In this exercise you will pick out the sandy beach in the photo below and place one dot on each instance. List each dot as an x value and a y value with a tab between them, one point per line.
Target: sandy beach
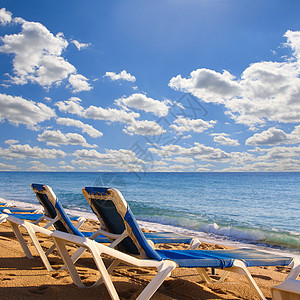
22	278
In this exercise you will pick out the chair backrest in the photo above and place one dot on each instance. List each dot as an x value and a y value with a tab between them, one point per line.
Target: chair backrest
113	211
53	209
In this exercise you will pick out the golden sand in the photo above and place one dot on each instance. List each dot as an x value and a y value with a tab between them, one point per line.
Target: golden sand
23	278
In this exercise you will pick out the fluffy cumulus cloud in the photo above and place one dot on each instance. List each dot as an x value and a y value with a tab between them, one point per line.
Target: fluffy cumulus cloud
6	167
119	159
208	85
142	102
223	139
38	55
266	91
73	106
5	16
187	124
79	83
79	45
293	41
198	151
109	114
18	110
56	138
23	151
86	128
274	136
280	153
123	75
144	128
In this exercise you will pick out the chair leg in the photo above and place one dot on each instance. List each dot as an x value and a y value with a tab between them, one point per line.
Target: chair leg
21	240
104	273
110	269
75	256
207	279
240	268
38	248
61	246
163	271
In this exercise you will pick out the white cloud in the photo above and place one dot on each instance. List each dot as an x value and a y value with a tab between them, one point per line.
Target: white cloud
144	128
274	136
5	167
123	75
79	83
266	91
223	140
110	114
208	85
79	45
56	138
142	102
293	41
285	165
38	166
11	142
86	128
184	160
118	159
280	153
71	106
196	125
5	16
23	151
37	55
203	170
198	151
20	111
140	127
67	168
173	168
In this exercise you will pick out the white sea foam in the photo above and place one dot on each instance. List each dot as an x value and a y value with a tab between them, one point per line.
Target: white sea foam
209	233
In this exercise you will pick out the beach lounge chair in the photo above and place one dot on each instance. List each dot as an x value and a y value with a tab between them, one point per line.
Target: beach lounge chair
109	218
289	289
49	200
60	221
136	251
12	209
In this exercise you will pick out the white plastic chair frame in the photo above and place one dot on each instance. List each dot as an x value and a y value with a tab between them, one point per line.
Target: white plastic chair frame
164	267
32	229
289	289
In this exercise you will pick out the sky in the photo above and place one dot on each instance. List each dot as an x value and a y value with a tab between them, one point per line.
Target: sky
150	86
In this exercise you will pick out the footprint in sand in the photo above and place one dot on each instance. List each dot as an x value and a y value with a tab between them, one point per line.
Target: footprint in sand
282	269
138	271
39	290
262	277
128	294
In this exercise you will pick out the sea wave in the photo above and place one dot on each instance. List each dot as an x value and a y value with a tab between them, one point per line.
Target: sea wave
211	232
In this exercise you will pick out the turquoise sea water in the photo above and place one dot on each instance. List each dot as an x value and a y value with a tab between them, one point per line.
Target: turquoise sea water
253	208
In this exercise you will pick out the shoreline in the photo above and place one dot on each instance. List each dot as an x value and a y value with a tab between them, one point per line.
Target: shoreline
21	277
153	226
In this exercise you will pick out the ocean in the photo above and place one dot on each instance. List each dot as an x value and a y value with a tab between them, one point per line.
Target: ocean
260	210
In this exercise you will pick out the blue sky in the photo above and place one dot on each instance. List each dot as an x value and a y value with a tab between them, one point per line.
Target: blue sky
144	86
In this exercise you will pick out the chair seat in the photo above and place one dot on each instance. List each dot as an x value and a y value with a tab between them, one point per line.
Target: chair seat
155	237
223	258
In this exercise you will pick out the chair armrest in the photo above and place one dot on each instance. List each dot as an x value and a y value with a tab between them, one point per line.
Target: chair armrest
80	220
194	244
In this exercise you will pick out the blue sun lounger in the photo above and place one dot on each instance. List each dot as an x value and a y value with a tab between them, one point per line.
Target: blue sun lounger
135	250
50	202
17	209
61	222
